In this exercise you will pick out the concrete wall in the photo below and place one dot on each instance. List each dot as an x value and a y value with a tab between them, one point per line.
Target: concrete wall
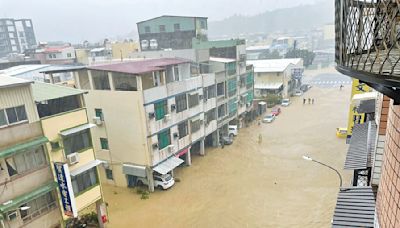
123	49
19	133
51	218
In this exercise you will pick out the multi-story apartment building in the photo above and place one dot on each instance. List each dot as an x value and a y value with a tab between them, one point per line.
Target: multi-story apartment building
16	35
277	76
28	191
370	54
171	32
49	141
56	55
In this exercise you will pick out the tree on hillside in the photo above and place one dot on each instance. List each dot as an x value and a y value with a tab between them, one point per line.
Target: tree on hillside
307	56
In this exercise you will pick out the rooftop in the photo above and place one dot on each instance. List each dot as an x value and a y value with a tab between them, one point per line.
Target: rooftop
169	16
273	65
140	66
46	91
222	60
7	81
21	69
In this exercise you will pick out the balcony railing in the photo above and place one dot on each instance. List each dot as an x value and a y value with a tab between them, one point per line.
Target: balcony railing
368	42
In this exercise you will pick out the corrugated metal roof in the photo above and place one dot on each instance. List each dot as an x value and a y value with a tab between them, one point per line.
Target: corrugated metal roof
21	69
46	91
272	85
139	67
7	81
355	207
222	60
22	146
361	145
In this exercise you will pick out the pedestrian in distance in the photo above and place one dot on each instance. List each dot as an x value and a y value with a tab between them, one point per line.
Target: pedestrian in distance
304	101
309	100
259	138
341	86
312	101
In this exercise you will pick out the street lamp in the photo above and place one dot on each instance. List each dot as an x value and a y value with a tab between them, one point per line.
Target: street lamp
330	167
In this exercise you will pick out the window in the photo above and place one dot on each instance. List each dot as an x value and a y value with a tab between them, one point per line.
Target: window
147	29
60	105
3	119
161	109
181	102
38	206
99	113
55	145
84	181
21	34
211	91
203	24
24	162
12	115
210	115
221	111
69	55
77	142
104	144
183	129
162	28
164	139
231	68
109	174
193	100
195	126
100	80
177	27
220	89
176	72
232	85
124	82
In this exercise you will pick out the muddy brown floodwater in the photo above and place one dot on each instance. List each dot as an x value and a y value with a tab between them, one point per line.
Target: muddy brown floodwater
251	184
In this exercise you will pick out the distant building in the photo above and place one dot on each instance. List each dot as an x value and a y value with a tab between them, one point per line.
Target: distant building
277	76
121	50
56	55
16	36
171	32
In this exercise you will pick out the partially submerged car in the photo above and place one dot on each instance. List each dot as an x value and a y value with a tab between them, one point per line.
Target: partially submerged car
268	118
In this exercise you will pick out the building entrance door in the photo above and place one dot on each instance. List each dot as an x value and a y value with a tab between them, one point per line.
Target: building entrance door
131	180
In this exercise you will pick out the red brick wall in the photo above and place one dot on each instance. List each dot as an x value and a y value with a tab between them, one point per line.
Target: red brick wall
388	201
384	113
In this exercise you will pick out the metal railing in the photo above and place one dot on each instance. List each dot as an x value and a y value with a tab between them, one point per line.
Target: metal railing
368	39
45	209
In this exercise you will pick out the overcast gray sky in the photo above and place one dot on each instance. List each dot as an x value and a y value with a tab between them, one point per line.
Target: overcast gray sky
93	20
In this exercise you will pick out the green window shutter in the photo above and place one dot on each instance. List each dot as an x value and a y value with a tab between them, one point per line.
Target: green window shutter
159	108
250	78
164	139
104	143
250	97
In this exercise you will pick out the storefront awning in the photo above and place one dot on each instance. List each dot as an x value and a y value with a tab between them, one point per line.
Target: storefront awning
77	129
362	143
16	202
85	167
168	165
22	147
270	86
134	170
355	207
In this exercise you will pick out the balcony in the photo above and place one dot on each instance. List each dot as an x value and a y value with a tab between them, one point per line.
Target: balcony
367	43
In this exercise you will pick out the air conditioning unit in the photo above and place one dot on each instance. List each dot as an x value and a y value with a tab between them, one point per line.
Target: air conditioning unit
167	117
97	120
151	115
155	146
73	158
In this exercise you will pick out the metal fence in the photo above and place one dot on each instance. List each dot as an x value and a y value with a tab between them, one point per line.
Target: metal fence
368	36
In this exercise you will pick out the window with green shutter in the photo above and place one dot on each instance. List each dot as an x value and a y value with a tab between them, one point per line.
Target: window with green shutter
99	113
231	68
164	139
233	105
250	97
160	109
104	143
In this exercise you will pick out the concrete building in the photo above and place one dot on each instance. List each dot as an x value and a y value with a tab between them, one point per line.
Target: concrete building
16	36
121	50
172	112
277	76
56	55
48	125
171	32
375	205
29	196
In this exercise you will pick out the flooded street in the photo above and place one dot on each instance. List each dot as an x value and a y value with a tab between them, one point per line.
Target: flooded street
252	184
